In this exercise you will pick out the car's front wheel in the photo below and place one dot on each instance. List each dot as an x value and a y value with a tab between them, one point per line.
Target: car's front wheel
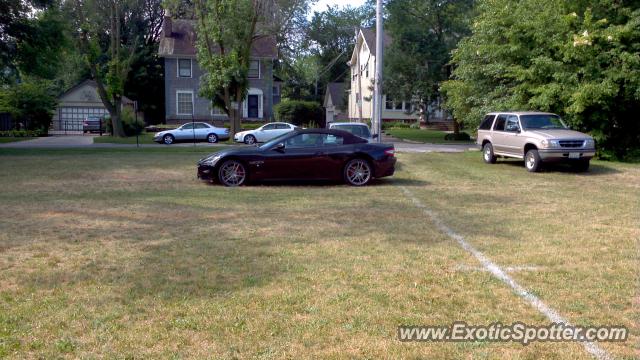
232	173
487	153
249	139
357	172
532	161
212	138
168	139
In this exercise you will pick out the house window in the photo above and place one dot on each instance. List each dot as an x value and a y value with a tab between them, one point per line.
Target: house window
276	90
184	102
254	69
388	104
184	68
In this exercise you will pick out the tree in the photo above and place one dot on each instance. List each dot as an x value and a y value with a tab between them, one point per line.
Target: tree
109	43
30	103
577	59
424	32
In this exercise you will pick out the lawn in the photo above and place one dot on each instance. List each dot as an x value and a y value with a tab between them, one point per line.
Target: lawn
423	136
116	253
5	140
144	138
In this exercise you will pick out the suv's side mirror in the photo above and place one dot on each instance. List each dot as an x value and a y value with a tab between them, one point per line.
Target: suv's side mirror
375	136
279	147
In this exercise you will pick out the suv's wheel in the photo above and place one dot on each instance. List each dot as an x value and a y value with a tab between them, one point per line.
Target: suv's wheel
357	172
168	139
212	138
532	160
232	173
487	154
249	139
581	166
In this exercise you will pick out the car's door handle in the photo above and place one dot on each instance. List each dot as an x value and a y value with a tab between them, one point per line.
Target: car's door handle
320	153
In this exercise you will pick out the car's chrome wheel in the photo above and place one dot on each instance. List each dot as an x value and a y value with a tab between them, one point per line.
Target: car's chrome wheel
168	139
532	160
357	172
487	154
232	173
249	139
212	138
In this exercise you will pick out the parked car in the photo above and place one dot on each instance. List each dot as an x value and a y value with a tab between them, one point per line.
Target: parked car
93	123
357	129
317	154
536	137
199	131
264	133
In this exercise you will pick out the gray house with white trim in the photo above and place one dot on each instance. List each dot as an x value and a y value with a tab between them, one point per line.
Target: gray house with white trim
182	78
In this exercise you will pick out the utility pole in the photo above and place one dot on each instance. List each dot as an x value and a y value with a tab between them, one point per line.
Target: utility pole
379	67
359	93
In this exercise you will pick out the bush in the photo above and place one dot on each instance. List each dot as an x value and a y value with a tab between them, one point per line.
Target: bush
31	103
463	136
395	125
300	113
129	124
22	133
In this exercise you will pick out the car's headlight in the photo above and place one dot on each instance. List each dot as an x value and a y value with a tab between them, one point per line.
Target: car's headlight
210	160
589	143
550	143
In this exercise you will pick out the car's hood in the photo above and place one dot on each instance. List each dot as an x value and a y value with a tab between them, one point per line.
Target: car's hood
559	134
236	150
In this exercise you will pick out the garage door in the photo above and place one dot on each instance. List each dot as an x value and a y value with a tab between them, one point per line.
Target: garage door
71	117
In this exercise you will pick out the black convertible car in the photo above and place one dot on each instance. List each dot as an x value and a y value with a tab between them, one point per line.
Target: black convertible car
309	154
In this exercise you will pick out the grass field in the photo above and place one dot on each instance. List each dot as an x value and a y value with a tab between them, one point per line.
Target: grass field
423	136
5	140
116	253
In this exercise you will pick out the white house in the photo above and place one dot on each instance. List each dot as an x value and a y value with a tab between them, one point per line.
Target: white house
334	102
363	64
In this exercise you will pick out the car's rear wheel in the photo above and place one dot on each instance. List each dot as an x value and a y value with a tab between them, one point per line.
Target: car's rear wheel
532	161
249	139
487	154
212	138
168	139
581	166
232	173
357	172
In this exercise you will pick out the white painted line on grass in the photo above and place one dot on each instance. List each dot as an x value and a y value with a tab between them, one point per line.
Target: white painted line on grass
499	273
508	269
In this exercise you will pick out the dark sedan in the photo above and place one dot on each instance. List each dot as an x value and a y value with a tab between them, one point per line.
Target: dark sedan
305	154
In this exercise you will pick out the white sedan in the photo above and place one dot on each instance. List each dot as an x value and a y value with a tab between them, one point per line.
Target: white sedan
198	131
264	133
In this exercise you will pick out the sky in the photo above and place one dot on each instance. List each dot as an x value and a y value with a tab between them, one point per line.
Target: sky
321	5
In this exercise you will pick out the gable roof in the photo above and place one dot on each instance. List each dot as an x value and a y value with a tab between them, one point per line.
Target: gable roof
178	38
368	36
91	83
335	92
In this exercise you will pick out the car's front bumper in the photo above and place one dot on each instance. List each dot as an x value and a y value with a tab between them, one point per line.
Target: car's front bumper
206	172
566	154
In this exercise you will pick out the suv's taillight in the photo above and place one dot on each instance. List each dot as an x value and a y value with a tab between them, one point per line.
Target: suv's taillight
390	152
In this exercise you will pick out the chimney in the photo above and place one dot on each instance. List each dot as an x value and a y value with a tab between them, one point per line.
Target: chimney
167	26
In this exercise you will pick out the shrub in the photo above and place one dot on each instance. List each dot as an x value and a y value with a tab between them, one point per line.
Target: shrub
22	133
129	124
395	125
30	103
463	136
300	112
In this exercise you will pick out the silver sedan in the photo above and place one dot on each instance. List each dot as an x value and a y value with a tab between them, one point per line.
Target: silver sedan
198	131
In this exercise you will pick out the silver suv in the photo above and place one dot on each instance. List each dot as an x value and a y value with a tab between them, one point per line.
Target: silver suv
536	137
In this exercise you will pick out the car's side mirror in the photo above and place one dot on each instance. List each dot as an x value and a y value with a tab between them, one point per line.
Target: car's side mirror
375	136
279	147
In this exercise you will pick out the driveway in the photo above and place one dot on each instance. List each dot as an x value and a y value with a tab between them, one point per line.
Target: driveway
52	142
412	147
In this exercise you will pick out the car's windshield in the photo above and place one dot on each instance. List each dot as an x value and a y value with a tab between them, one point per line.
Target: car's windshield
541	121
275	140
357	130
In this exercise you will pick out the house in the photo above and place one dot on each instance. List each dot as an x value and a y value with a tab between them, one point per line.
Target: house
182	77
363	65
333	104
75	104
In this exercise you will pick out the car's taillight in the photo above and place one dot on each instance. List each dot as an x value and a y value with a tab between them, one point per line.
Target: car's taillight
390	152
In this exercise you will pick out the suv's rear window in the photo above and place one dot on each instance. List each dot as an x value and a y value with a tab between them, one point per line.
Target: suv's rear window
486	122
499	126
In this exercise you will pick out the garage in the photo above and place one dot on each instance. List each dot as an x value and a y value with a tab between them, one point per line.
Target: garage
75	105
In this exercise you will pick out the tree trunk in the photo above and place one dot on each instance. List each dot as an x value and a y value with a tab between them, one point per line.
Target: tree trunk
456	127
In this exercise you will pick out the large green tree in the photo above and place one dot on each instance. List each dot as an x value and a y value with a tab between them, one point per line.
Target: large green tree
576	58
424	32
